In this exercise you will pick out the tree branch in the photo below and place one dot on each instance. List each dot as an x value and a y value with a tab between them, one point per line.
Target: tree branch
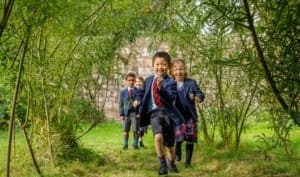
6	14
263	62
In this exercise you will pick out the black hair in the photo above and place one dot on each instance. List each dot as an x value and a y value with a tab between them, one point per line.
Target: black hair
162	54
140	78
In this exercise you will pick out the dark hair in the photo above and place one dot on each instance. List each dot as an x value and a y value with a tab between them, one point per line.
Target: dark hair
130	74
162	54
140	78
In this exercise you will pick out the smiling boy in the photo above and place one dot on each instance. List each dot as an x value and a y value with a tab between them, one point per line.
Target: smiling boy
157	98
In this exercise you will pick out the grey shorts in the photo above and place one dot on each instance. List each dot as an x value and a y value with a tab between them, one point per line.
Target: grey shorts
160	122
131	121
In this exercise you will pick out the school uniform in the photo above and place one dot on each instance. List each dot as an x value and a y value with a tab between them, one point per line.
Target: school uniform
127	110
186	130
160	117
186	104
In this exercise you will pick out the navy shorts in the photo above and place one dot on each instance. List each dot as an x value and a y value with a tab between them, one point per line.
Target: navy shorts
131	121
161	124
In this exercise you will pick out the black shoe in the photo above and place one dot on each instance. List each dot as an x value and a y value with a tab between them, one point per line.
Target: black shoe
173	169
163	169
135	147
142	144
125	147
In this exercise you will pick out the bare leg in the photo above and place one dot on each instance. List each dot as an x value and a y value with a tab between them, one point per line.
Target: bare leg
171	153
171	158
158	140
158	143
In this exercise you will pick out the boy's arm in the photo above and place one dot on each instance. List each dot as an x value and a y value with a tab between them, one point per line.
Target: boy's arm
121	105
168	91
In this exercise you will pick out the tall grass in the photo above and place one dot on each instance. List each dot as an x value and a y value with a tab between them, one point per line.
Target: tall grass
101	154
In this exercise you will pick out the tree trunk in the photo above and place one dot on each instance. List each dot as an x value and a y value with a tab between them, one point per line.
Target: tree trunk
48	128
15	97
204	125
263	62
30	148
6	13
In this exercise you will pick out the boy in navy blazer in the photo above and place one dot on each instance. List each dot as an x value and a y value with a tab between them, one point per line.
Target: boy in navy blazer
128	110
157	98
188	92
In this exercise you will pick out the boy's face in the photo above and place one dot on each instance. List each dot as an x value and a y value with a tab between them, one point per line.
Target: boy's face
160	66
178	71
138	83
130	81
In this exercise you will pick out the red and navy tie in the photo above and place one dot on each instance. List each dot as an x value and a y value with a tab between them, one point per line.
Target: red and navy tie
156	95
130	92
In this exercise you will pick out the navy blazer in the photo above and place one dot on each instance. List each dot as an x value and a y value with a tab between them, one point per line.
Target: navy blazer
125	102
167	92
190	86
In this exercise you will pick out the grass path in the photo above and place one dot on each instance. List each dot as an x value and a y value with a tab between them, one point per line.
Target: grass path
106	140
101	155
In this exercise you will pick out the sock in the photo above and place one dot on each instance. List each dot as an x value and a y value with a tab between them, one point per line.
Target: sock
126	139
178	151
135	140
162	160
189	153
171	162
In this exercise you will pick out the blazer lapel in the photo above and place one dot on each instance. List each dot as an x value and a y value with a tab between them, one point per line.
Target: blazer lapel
185	91
150	85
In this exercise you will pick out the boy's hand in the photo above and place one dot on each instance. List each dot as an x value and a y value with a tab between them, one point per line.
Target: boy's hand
122	117
138	116
159	80
135	103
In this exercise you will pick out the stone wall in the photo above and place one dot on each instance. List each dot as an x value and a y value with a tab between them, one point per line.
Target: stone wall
139	59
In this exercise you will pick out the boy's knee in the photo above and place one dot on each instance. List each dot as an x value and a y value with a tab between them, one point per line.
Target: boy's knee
158	137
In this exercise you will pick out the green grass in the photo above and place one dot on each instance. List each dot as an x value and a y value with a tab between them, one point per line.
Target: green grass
101	154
